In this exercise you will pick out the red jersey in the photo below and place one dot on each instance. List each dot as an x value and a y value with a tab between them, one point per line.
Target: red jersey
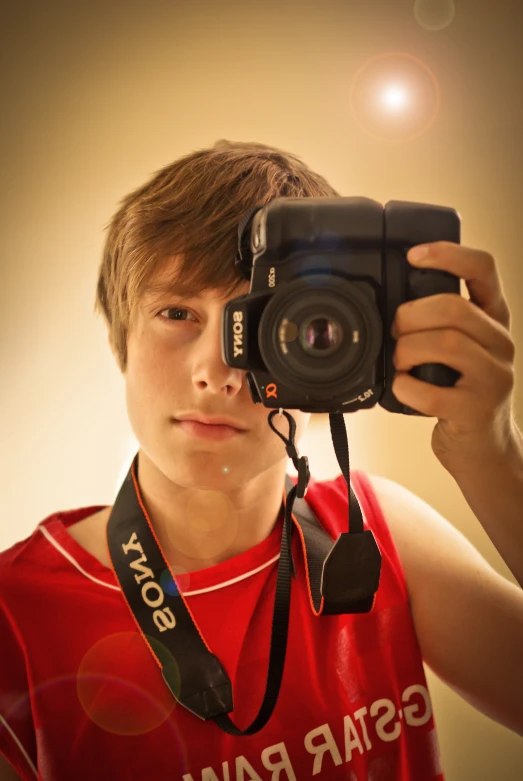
82	698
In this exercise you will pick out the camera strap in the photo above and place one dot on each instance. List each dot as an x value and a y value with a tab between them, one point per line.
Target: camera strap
342	577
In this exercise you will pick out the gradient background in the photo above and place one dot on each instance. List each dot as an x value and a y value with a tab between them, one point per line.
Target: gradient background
97	96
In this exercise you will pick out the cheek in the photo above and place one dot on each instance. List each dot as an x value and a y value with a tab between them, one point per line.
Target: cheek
151	373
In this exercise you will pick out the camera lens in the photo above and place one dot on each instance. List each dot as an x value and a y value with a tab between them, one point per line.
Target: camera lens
321	335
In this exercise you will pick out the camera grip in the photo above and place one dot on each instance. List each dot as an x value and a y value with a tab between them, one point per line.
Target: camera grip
427	282
436	373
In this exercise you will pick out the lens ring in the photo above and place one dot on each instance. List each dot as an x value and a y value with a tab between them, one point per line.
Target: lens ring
339	297
301	366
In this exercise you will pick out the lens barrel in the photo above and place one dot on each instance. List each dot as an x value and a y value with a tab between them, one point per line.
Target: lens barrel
319	333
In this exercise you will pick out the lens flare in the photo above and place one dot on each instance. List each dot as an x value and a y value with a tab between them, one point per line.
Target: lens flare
289	331
394	97
172	586
211	524
434	14
120	686
309	266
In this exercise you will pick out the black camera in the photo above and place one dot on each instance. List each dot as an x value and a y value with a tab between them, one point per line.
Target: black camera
327	275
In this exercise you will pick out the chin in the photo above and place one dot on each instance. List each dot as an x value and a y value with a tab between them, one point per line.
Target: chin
208	473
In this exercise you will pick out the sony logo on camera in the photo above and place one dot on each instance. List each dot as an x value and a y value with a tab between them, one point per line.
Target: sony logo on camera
237	332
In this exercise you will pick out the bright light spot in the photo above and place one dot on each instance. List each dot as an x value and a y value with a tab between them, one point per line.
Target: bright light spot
394	97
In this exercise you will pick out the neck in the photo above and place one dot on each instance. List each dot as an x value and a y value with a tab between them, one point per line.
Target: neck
200	527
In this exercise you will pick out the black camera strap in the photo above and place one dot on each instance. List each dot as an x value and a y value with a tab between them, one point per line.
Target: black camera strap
342	578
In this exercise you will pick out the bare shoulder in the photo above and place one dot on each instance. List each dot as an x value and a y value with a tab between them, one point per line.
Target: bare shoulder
433	552
465	613
419	531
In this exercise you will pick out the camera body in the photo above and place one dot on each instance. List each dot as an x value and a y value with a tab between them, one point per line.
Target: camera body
326	278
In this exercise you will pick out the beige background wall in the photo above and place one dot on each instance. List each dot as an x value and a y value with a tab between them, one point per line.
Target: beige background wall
96	96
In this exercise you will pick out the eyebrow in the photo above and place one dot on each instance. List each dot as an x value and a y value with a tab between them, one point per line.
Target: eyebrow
174	288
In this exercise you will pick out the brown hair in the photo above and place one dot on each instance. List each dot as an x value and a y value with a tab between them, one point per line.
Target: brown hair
191	208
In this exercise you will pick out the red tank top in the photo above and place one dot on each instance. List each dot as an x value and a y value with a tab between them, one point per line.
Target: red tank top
81	697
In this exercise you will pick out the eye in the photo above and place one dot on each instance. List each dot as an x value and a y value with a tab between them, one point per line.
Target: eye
179	313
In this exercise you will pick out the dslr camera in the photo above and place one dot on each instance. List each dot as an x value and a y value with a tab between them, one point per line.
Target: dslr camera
326	277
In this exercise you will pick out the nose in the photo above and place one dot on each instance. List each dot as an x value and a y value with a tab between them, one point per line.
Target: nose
210	373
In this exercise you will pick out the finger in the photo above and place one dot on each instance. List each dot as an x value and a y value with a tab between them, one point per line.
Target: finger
479	369
477	268
470	410
450	310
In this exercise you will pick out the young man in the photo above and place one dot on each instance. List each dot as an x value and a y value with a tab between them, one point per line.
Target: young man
81	695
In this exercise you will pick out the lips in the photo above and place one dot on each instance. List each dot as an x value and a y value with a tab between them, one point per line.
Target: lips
209	431
209	420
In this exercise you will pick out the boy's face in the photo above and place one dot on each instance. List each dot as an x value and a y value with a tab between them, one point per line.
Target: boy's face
175	368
